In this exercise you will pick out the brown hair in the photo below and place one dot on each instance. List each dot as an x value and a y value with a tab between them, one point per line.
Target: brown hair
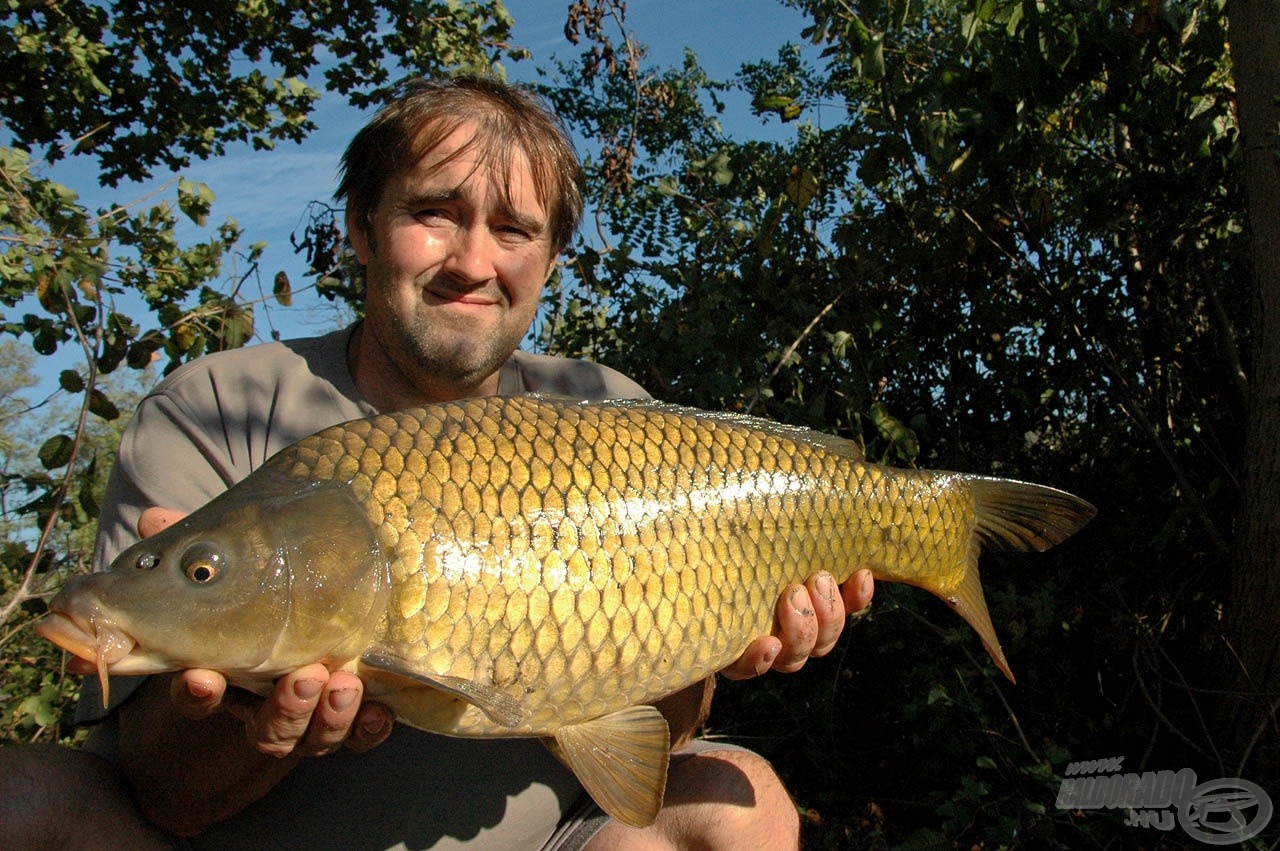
425	112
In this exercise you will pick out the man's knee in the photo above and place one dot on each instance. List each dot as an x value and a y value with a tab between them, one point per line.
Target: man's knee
56	797
736	797
753	801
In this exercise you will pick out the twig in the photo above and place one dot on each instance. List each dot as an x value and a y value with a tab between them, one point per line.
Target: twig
795	344
1126	399
90	352
1268	718
1154	706
1013	718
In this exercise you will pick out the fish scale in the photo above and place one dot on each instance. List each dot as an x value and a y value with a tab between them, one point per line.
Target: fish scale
528	566
611	589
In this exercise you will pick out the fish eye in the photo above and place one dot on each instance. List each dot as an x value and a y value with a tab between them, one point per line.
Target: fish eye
202	564
146	561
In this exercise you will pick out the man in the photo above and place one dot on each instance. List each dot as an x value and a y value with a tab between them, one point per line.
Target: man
459	198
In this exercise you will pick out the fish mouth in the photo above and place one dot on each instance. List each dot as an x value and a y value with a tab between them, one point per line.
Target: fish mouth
98	647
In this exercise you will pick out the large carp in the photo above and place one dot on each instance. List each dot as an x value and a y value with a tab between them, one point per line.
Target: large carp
536	567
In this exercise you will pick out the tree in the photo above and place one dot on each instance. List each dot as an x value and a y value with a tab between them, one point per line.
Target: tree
139	86
143	87
1003	238
1255	580
37	699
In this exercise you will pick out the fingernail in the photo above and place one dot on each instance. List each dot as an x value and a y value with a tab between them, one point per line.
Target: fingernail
307	689
342	699
865	585
200	690
795	590
767	661
826	588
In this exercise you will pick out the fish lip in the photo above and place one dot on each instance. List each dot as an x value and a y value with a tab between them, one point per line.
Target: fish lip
99	647
69	634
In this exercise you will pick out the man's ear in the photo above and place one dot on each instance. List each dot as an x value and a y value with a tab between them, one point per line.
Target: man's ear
357	235
551	267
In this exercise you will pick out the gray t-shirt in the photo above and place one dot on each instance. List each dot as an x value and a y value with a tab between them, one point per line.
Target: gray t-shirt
206	427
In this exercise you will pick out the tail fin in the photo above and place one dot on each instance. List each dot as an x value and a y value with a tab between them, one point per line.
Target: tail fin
1018	516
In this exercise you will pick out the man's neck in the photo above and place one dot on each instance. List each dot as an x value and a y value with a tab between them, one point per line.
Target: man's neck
384	386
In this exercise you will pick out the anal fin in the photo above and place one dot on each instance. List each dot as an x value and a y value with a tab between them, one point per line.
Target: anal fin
621	760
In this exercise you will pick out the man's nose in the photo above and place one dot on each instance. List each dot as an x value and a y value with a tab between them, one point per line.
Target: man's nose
470	257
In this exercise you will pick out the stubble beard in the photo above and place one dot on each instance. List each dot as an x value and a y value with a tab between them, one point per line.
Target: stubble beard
446	357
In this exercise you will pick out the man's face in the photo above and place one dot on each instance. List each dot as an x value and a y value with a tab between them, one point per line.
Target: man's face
454	273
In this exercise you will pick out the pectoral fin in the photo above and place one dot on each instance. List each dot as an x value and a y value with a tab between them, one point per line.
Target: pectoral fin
621	760
500	707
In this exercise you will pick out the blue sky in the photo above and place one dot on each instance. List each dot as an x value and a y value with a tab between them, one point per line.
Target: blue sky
267	192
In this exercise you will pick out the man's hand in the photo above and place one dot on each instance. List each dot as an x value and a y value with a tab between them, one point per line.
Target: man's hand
310	711
809	619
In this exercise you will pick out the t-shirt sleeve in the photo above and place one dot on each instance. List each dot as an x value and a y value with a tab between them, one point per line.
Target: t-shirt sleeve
163	461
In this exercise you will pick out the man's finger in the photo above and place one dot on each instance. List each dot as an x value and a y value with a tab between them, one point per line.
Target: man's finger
828	608
857	592
755	660
372	726
154	519
197	693
334	714
797	629
283	718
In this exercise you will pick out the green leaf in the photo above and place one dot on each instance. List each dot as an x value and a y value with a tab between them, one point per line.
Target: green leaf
195	200
873	59
772	103
70	381
87	502
802	186
895	431
141	351
56	452
102	406
237	327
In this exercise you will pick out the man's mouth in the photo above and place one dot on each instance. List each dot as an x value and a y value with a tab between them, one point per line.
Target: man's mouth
469	298
476	297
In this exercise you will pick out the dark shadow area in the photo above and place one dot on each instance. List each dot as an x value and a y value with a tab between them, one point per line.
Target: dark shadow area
461	790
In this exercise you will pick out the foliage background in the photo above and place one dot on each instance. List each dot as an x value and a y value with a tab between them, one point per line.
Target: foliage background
1006	237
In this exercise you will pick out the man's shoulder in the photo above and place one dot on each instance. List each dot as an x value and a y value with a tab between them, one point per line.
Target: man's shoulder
262	368
573	377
